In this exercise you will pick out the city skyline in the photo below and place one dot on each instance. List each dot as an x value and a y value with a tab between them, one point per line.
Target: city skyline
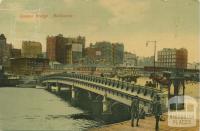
130	22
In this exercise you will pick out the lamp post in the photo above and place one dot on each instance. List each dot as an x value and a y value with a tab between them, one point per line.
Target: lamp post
154	62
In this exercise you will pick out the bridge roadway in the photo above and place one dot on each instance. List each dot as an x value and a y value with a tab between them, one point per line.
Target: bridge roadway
119	91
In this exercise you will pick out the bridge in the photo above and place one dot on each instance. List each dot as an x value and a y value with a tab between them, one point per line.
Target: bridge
110	91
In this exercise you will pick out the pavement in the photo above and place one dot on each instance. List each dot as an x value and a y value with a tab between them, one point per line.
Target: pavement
147	124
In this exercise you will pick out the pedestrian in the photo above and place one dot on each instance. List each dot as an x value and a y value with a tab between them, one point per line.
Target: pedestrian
135	111
157	111
142	113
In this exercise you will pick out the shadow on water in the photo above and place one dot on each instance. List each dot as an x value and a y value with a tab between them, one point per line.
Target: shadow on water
65	95
85	105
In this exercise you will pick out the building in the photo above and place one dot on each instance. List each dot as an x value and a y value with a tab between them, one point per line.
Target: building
145	61
106	52
15	53
181	58
118	53
173	58
53	65
65	50
92	55
29	66
31	49
194	65
2	47
4	51
130	59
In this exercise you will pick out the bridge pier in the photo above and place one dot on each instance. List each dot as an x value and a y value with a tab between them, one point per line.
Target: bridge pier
106	105
74	98
96	108
101	107
58	87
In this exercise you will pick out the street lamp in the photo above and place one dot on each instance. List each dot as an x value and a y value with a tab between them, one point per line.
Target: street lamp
154	62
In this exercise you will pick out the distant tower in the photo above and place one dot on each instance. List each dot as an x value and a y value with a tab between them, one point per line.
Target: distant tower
2	47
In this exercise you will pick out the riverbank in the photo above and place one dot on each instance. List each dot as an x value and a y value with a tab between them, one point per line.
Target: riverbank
147	124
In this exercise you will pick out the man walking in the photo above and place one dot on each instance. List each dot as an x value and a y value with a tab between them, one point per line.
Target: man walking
135	111
157	111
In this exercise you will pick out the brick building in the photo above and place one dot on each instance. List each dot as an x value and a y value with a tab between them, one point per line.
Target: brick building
173	58
92	55
66	50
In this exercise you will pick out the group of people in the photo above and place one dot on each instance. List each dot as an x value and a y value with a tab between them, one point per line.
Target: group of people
150	84
137	113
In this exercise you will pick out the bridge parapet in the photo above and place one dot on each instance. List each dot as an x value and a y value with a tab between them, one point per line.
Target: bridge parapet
146	91
117	90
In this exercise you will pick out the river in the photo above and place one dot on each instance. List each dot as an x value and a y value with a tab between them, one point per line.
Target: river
37	109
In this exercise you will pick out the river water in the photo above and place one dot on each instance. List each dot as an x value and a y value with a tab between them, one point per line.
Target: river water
37	109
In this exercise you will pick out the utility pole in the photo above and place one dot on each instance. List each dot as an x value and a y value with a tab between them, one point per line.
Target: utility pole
154	62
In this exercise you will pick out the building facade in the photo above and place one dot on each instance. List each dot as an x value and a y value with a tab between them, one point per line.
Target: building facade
105	53
4	51
130	59
2	48
92	55
145	61
118	53
173	58
31	49
29	66
15	53
65	50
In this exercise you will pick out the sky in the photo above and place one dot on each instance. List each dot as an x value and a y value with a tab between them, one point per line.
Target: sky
172	23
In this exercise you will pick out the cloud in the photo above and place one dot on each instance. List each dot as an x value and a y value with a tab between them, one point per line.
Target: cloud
126	11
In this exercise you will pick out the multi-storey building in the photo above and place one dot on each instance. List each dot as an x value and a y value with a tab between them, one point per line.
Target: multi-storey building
28	66
145	61
118	53
4	52
15	53
31	49
130	59
65	50
173	58
2	48
105	53
92	55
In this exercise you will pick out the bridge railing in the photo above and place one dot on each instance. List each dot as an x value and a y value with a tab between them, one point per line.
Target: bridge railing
109	82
